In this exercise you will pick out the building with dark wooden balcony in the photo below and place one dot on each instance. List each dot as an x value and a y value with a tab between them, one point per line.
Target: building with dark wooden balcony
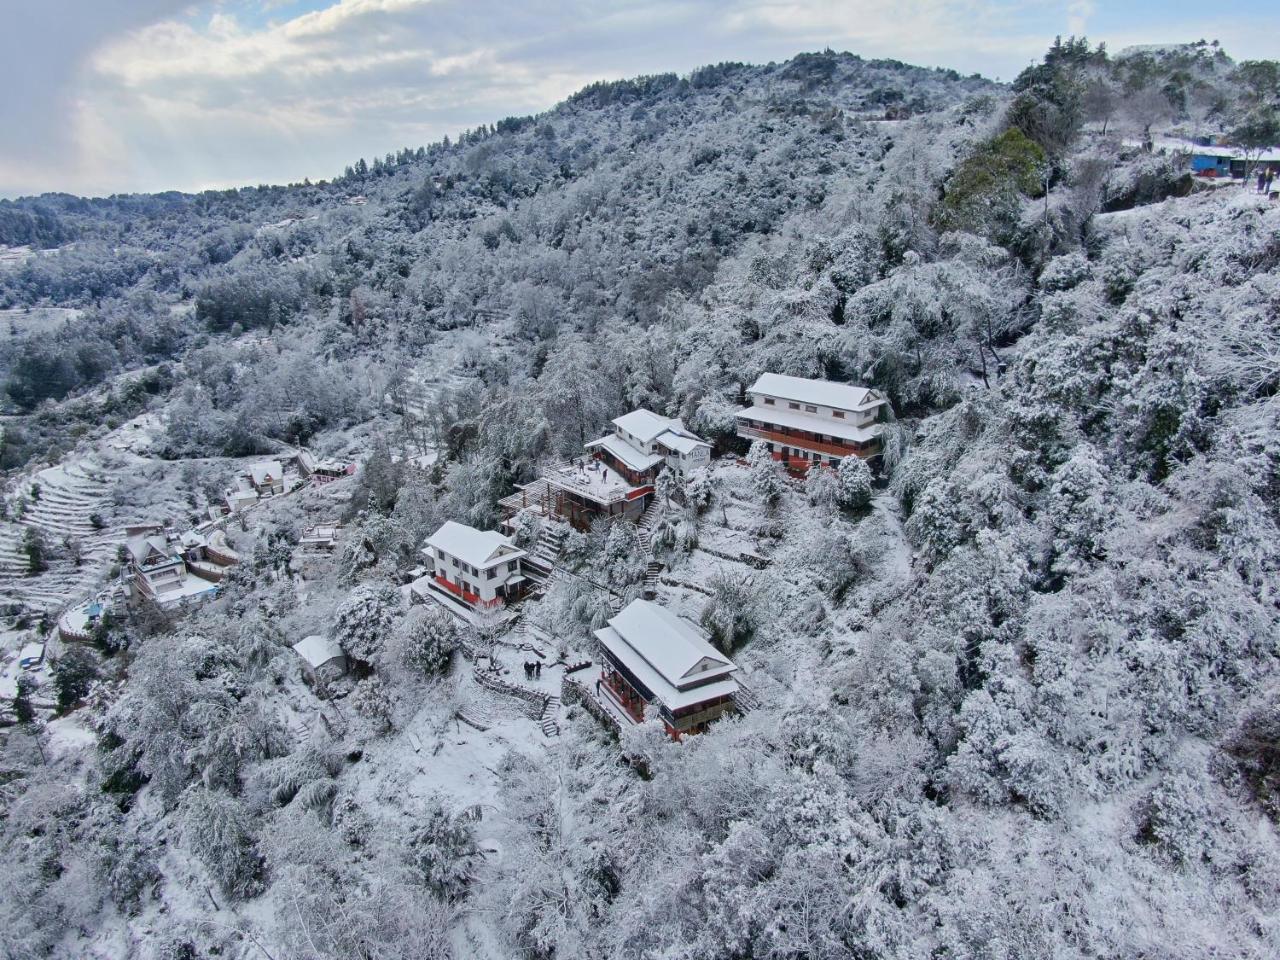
616	479
804	422
653	657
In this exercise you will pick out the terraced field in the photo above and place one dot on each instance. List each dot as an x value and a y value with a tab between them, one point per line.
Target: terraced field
70	494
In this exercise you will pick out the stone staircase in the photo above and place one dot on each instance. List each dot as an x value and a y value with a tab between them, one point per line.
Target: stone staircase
645	526
547	721
550	544
648	522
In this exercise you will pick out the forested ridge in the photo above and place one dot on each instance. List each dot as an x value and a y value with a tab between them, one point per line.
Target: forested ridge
1018	701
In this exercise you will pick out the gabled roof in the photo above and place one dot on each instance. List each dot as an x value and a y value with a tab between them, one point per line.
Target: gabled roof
479	548
645	425
146	550
629	455
681	442
317	650
268	468
825	393
671	645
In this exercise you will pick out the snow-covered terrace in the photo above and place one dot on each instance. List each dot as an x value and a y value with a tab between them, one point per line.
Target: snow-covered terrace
591	479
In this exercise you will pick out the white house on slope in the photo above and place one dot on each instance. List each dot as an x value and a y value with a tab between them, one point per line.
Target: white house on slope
804	422
482	568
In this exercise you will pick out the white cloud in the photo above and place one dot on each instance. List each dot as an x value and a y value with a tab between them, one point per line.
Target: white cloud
152	95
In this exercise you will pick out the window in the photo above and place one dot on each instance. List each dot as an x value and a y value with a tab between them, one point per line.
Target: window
838	414
768	401
792	405
810	409
491	573
511	566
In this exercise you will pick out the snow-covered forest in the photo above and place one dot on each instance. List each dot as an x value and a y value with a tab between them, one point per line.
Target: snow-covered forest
1018	696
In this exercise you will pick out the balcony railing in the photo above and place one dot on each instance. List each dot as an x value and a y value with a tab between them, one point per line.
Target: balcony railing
805	441
466	596
595	486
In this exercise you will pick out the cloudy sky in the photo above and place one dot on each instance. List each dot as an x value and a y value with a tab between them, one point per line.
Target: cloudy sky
102	96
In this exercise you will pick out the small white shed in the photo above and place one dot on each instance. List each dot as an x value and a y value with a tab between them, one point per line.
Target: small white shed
322	659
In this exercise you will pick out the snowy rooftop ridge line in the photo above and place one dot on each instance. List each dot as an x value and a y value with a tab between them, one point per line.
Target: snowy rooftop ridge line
317	650
826	393
479	548
673	646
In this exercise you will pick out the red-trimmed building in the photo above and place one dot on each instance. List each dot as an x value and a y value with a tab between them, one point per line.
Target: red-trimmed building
804	422
617	479
652	656
481	568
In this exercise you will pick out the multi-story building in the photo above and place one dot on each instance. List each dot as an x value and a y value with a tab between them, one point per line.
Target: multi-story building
617	479
804	422
652	656
481	568
173	571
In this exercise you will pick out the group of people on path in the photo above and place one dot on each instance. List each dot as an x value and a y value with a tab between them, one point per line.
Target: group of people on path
1265	178
533	671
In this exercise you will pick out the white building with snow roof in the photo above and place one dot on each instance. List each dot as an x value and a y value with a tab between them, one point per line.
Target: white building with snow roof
652	656
481	568
804	422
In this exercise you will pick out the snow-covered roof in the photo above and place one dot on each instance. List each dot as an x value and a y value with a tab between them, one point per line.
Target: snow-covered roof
824	393
479	548
681	442
152	549
668	654
1226	151
828	426
317	650
645	425
629	455
267	470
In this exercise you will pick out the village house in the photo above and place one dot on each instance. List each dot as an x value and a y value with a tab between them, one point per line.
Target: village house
652	656
323	660
617	479
174	571
803	422
320	538
481	568
320	472
267	478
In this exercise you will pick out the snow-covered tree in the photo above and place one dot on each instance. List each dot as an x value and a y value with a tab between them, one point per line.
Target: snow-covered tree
443	850
765	476
365	619
854	476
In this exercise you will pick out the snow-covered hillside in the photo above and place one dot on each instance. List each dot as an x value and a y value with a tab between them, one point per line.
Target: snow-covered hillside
1014	698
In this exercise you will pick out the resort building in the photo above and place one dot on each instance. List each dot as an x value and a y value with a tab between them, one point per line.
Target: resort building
804	422
175	571
652	656
617	479
481	568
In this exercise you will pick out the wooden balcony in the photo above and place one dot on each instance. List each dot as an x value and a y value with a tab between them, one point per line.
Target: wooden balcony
807	441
